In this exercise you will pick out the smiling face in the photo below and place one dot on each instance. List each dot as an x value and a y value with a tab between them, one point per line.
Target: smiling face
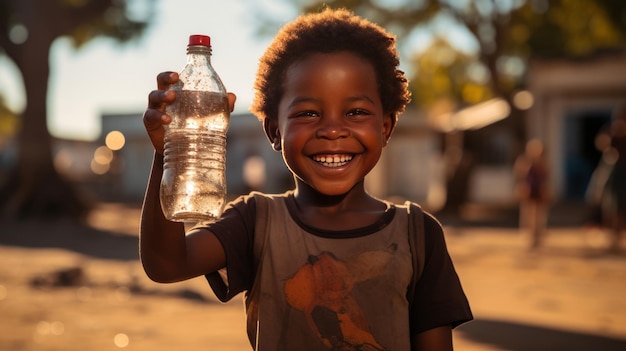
330	127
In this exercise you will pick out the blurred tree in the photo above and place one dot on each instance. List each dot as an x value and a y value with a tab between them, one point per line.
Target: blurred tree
446	76
28	29
8	126
505	34
8	122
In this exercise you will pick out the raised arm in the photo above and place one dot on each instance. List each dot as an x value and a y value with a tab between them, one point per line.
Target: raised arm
167	253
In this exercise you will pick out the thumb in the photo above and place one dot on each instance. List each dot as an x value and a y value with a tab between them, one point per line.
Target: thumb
231	101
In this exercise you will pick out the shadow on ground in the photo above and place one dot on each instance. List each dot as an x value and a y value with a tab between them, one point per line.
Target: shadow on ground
523	337
70	236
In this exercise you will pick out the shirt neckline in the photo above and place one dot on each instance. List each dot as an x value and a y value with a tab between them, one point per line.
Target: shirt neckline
381	223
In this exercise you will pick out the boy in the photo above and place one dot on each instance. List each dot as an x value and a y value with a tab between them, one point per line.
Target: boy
326	266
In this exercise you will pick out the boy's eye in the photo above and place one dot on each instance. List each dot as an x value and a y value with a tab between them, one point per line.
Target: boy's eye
306	114
357	112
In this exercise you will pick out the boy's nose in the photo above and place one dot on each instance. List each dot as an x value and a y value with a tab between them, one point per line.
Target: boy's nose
332	128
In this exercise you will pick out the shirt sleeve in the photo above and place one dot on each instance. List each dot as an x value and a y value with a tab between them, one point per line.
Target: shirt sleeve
235	231
439	298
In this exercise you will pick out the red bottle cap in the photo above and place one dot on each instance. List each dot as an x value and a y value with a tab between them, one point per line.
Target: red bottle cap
199	39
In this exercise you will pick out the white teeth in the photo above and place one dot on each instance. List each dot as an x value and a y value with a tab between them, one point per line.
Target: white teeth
333	161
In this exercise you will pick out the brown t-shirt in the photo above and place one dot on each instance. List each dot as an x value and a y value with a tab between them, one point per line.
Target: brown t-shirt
311	289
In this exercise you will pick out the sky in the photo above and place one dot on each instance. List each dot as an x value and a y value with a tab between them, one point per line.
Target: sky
107	77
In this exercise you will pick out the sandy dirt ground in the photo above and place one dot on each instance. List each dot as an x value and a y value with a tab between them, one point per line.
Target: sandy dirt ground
68	287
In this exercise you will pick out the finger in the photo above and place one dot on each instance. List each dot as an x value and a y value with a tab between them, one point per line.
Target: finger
231	101
154	120
166	79
159	99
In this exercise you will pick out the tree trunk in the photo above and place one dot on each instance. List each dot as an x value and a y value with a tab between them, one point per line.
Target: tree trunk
34	189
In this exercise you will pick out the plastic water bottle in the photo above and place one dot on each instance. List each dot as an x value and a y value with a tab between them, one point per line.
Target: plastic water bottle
193	186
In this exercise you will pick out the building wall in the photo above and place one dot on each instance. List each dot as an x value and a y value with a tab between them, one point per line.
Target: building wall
411	166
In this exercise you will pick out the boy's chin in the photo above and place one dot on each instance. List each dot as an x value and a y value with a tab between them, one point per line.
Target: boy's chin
333	190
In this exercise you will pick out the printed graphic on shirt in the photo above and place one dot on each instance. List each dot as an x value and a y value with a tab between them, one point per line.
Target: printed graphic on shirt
322	289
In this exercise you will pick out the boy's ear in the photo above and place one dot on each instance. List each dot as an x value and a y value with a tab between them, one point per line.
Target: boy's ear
389	124
270	126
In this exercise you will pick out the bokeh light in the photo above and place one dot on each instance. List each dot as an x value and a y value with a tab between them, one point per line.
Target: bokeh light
523	100
50	328
121	340
99	168
103	155
115	140
63	161
18	34
254	172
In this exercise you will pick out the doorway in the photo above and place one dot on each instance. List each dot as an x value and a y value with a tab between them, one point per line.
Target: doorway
580	154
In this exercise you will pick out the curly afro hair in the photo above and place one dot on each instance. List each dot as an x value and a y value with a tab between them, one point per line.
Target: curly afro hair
330	31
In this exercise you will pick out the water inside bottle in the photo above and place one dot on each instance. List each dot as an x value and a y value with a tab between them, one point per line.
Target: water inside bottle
199	110
193	186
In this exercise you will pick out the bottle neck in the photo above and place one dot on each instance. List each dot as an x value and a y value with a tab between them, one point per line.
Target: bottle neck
198	54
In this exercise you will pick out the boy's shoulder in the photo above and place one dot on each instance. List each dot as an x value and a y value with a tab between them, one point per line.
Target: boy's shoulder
256	196
272	196
415	209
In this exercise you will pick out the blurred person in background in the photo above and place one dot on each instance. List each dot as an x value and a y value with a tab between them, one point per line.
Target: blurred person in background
617	180
598	195
532	190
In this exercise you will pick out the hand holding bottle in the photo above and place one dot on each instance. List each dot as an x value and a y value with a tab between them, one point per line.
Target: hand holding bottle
155	117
